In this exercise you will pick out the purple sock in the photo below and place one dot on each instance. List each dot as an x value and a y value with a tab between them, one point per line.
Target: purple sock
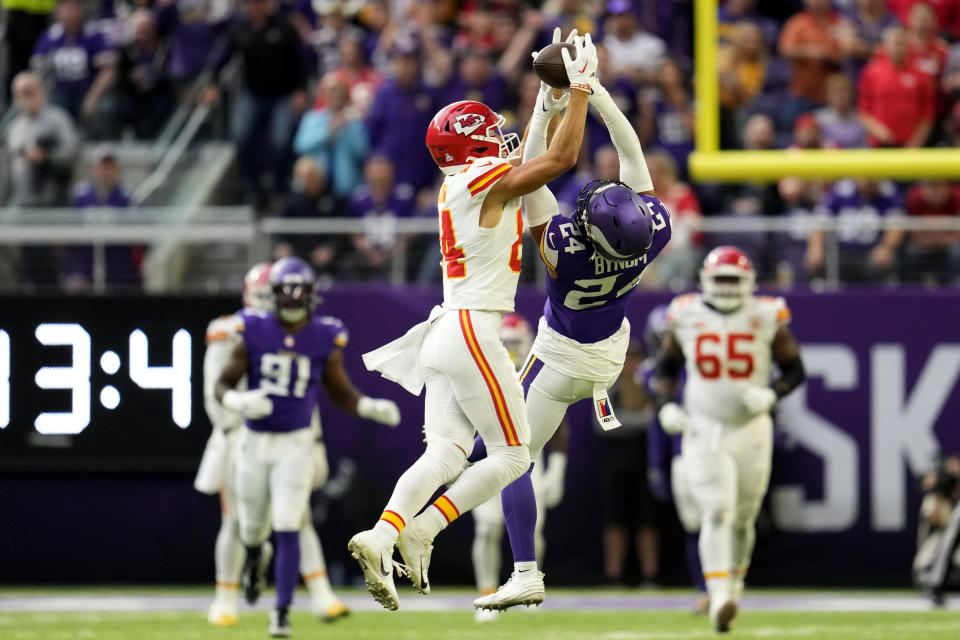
693	562
520	513
479	450
287	568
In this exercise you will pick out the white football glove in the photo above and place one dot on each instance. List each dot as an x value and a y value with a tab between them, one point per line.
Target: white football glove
547	105
552	488
673	419
758	399
321	467
379	410
253	404
583	65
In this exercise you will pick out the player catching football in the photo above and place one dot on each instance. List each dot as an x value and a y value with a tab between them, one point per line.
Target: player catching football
728	338
471	384
287	354
594	260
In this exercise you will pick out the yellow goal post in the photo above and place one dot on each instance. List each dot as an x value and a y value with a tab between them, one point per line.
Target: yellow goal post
709	164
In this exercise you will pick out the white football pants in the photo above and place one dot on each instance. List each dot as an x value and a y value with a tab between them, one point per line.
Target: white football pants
728	469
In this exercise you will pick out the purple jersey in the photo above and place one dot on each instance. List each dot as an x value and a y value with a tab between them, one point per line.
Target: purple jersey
859	214
74	59
288	366
588	299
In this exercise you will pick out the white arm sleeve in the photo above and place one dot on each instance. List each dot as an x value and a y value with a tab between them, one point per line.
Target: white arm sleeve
536	144
214	359
633	167
539	206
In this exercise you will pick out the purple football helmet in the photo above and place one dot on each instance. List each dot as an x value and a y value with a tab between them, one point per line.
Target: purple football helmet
293	283
615	220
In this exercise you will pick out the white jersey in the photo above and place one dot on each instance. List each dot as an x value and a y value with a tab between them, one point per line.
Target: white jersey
223	334
723	351
480	266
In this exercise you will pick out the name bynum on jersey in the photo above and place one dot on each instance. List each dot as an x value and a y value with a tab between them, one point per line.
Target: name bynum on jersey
724	351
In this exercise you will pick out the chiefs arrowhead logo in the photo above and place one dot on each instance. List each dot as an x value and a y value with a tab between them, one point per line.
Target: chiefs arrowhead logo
467	123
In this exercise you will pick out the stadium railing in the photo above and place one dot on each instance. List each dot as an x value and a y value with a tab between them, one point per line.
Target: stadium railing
204	228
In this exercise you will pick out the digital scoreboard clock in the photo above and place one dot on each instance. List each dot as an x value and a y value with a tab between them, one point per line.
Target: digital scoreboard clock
103	383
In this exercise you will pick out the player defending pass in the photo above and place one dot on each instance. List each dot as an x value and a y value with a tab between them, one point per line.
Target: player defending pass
594	259
471	384
287	354
728	338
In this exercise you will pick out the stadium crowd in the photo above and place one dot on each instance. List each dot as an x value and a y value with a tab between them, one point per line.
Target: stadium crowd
331	99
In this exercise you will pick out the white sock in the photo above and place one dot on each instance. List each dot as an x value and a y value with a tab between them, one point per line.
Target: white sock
432	521
520	567
229	554
312	565
485	553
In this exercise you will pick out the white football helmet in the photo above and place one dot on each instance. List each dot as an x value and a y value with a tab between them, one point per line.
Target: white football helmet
517	337
727	278
257	293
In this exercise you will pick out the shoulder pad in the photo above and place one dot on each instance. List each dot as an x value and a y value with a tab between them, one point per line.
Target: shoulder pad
678	305
224	328
483	174
774	307
337	329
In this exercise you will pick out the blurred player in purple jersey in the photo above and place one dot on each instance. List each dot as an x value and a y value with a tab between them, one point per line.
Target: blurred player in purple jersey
287	354
594	259
665	471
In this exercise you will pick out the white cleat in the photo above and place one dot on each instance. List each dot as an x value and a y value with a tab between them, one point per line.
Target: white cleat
222	613
329	609
280	623
415	550
522	588
378	565
724	616
486	615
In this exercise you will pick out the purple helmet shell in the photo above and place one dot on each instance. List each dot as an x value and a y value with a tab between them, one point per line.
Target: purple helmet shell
615	219
291	270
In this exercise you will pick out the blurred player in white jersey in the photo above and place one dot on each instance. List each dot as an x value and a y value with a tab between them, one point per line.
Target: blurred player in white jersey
288	354
216	474
517	337
471	384
729	339
594	258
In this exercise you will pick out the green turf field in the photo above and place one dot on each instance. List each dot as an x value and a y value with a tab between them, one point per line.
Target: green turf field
545	625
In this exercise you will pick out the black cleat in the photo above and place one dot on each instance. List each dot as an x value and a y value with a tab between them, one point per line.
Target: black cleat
253	578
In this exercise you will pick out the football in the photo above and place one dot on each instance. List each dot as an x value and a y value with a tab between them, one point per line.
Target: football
549	65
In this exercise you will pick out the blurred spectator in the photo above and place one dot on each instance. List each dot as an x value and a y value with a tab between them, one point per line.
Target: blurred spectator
838	121
932	256
948	14
800	198
936	565
633	52
380	201
398	119
668	117
927	52
42	143
195	31
867	253
742	67
624	93
336	139
810	41
77	56
323	27
897	103
121	262
732	13
142	97
950	81
526	98
274	93
476	29
631	514
477	79
361	80
862	33
679	261
26	20
606	166
807	133
570	14
310	198
759	133
517	43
